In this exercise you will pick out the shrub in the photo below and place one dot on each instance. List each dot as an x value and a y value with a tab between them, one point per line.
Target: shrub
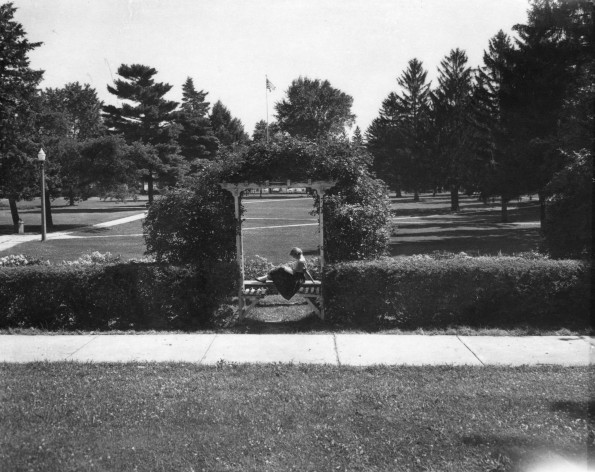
567	228
17	260
421	291
113	296
356	210
194	225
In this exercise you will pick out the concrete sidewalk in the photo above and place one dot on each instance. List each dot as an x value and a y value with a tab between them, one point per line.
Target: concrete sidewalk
336	349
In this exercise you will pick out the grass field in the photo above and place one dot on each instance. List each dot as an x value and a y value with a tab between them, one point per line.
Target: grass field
273	225
181	417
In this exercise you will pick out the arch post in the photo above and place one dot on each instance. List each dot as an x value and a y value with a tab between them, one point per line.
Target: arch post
237	194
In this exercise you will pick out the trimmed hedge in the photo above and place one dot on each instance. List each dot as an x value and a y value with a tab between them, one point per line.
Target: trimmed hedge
114	296
424	292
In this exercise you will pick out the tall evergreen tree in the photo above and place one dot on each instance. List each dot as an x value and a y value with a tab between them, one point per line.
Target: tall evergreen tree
401	133
504	175
145	116
18	91
548	60
314	110
452	131
228	130
357	138
196	139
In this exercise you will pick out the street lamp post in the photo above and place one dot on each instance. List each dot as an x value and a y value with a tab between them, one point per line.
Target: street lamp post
41	159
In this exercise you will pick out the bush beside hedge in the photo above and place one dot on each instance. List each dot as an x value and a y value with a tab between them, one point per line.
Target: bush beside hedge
113	297
420	291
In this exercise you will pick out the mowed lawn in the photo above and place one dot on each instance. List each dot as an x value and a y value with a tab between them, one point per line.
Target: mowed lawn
183	417
275	224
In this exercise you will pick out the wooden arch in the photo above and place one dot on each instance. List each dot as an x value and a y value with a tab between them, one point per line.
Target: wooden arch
251	292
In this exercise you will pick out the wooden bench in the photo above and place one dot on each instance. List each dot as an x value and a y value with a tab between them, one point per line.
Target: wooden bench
254	290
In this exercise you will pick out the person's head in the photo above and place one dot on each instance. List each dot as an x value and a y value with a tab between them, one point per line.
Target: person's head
296	252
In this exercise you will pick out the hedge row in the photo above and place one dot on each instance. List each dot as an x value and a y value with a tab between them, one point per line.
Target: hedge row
114	296
422	292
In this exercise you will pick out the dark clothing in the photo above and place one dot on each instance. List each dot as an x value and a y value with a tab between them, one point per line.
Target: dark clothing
286	281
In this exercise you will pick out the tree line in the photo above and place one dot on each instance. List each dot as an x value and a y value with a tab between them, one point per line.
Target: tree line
505	128
502	129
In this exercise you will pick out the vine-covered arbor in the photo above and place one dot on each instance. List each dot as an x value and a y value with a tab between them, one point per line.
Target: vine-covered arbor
251	291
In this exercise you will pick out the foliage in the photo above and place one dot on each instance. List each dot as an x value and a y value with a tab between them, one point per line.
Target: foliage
260	132
567	228
356	213
192	225
421	291
314	109
18	260
552	51
196	139
146	117
107	165
452	130
228	130
18	91
399	138
99	296
67	117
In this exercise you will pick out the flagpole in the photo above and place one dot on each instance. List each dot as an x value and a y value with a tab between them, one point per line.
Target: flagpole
266	87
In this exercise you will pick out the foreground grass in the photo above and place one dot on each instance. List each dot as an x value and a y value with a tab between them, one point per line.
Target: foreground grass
61	417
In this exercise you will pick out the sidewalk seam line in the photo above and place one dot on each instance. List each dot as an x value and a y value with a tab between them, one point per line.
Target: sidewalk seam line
336	350
476	356
208	349
84	345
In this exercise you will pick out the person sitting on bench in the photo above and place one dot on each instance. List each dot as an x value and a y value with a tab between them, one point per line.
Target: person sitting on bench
288	280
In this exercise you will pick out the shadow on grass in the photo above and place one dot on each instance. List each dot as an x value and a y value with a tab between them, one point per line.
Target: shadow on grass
309	324
486	242
576	409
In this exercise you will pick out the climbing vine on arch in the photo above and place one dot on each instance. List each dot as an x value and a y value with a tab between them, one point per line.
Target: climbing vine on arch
356	210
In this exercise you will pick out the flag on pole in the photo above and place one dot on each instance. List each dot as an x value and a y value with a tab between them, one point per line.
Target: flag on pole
270	86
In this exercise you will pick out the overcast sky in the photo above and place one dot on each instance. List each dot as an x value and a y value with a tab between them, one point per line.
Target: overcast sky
227	46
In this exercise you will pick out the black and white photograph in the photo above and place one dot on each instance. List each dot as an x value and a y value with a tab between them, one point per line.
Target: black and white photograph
308	235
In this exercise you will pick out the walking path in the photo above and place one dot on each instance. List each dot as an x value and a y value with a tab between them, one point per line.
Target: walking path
11	240
336	349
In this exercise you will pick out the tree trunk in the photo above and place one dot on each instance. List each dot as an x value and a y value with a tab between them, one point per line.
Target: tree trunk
541	208
415	196
49	221
150	187
504	209
434	191
14	211
454	198
71	196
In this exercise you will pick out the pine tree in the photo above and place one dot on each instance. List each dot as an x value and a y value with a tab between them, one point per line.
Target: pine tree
402	128
145	116
503	175
18	92
452	106
228	130
551	52
196	139
357	139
